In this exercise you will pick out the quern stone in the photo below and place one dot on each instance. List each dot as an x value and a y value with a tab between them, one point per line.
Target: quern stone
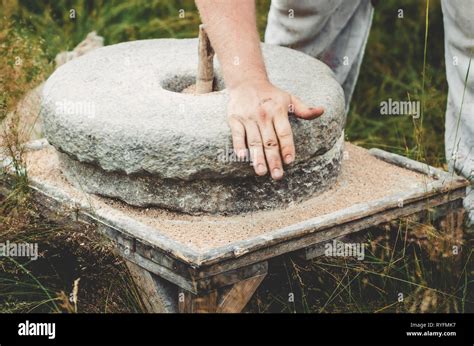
125	130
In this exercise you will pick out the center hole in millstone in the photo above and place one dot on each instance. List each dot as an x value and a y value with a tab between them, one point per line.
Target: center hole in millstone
186	84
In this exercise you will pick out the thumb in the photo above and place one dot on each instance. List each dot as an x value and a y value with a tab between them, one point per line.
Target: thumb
300	110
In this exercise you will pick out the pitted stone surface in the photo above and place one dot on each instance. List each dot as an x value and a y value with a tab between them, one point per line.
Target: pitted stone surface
109	108
226	196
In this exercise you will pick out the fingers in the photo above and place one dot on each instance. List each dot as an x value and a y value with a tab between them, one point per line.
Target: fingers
270	144
304	112
262	142
285	137
268	135
254	143
238	138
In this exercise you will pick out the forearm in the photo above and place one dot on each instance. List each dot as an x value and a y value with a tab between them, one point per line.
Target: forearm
231	27
257	110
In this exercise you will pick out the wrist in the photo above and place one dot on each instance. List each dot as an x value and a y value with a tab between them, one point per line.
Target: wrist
248	82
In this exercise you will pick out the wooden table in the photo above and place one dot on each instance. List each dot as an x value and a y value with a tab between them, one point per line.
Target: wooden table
175	277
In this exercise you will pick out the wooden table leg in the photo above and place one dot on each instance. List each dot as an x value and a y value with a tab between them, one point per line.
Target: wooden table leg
235	298
229	299
226	292
453	222
157	294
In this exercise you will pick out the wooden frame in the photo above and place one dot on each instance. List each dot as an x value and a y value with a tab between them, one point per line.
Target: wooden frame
223	279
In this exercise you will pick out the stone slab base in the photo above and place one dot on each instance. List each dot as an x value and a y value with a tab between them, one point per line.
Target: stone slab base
220	196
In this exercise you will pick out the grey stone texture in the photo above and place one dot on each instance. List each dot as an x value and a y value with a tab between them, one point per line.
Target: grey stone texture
126	131
223	196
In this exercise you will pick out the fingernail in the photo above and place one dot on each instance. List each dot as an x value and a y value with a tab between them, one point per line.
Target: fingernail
277	173
261	169
288	159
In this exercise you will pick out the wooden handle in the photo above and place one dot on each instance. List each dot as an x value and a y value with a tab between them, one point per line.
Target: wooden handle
205	74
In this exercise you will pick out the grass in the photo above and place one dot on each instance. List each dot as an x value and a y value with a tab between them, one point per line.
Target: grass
66	254
403	62
409	266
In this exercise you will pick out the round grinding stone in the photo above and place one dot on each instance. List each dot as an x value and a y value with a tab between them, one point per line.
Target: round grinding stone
125	130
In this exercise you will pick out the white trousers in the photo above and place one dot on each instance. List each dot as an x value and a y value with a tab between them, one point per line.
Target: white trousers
336	32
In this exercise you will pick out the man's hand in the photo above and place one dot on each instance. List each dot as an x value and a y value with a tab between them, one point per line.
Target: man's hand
258	118
258	111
